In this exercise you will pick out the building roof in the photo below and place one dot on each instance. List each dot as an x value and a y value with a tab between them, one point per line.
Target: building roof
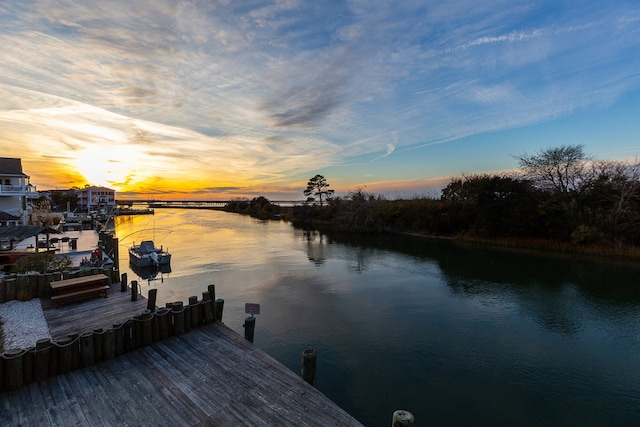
18	233
10	166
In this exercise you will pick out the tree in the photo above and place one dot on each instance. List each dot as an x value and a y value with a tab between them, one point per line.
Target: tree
561	169
318	186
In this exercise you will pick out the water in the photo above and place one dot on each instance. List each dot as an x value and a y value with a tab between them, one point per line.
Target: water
456	334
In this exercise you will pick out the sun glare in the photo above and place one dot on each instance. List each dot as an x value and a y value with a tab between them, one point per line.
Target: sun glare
103	167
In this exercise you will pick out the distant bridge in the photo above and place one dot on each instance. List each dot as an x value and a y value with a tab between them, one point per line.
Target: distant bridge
194	204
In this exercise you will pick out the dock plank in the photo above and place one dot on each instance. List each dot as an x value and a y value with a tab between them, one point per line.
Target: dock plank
85	316
208	376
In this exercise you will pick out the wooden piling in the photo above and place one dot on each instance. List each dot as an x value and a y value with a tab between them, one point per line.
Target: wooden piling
87	349
108	346
64	349
134	290
13	369
123	282
402	419
151	300
219	308
194	312
162	315
42	352
207	312
75	352
118	338
309	358
147	329
249	328
10	289
212	294
128	336
98	344
177	316
22	288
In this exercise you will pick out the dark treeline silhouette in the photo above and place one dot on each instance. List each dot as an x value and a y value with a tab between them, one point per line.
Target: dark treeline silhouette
258	207
559	195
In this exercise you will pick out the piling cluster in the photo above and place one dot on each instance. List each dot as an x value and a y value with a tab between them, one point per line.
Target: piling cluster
47	359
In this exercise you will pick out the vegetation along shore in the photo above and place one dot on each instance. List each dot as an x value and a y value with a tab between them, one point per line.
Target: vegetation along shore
560	199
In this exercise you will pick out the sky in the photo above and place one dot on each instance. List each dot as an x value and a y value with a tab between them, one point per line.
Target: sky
206	99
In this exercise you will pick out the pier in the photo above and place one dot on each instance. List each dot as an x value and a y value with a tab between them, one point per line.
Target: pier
208	375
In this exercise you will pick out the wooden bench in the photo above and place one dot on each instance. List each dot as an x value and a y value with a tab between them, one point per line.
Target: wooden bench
79	288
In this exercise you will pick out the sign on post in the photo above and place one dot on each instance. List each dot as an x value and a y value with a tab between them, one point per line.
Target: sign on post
251	308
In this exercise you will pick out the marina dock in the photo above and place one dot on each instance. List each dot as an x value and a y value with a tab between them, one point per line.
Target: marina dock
207	376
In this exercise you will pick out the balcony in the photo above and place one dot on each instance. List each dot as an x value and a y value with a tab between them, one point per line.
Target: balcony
18	190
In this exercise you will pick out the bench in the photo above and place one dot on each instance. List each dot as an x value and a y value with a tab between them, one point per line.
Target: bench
79	295
79	288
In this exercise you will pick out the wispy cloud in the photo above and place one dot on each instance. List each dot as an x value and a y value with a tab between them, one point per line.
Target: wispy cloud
269	91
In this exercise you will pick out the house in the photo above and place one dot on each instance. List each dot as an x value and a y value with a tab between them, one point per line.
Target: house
16	193
95	199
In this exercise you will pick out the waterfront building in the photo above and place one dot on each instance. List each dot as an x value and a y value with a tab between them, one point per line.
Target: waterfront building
16	193
96	199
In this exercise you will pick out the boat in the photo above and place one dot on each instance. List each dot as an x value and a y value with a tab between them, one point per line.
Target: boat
146	255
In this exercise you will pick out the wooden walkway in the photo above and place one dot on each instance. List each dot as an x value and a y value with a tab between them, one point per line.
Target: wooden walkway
91	314
208	376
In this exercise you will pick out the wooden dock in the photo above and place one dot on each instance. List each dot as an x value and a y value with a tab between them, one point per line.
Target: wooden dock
92	314
207	376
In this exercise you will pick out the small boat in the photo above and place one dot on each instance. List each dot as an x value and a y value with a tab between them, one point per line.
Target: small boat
146	255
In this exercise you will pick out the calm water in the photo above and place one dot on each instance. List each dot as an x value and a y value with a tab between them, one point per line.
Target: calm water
456	334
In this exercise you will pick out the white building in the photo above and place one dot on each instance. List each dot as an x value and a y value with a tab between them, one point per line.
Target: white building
16	192
92	198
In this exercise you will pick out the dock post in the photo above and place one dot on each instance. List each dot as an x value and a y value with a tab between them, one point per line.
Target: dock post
42	352
134	290
163	323
147	328
13	369
129	336
151	300
98	343
249	328
219	308
402	419
177	315
194	312
309	358
87	351
64	355
207	312
118	338
212	295
108	347
123	282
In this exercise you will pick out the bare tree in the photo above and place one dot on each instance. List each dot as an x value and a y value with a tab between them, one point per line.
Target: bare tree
561	169
318	186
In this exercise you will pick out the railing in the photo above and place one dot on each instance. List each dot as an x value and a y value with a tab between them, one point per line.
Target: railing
13	189
18	190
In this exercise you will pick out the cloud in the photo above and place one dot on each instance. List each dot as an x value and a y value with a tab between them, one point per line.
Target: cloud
262	91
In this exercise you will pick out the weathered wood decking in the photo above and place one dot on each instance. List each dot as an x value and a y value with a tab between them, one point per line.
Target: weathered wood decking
92	314
208	376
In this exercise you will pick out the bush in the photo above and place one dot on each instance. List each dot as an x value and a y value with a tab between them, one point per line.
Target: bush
45	262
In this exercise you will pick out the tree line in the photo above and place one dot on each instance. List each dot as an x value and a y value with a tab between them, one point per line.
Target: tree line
559	194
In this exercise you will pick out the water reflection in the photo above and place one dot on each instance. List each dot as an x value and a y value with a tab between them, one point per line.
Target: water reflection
152	272
511	337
